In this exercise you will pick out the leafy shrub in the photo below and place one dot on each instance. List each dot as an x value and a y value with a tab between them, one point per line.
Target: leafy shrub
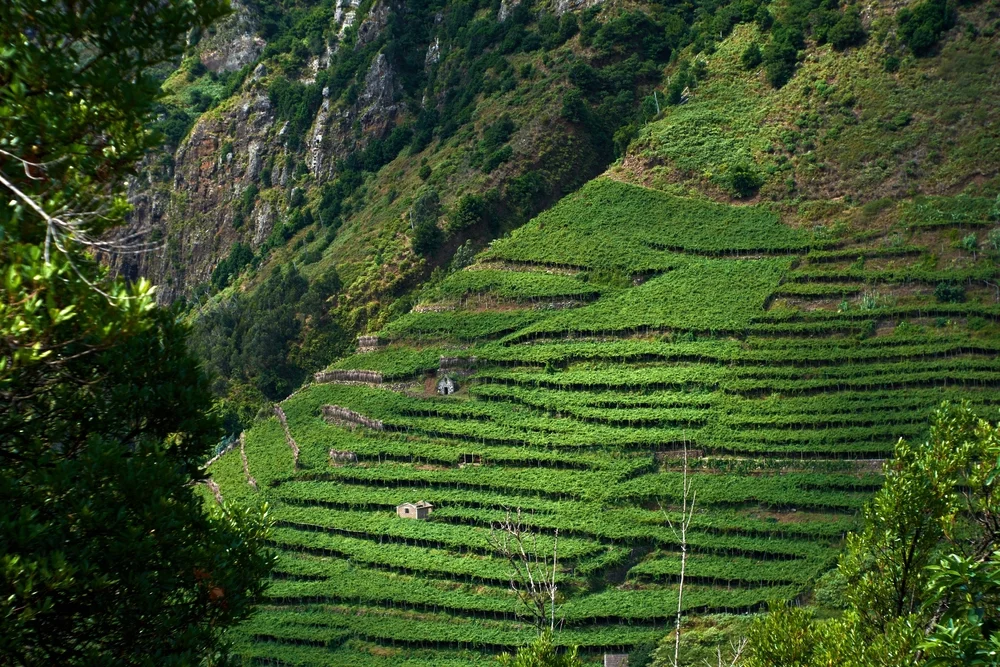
312	256
781	56
633	32
425	172
464	256
426	208
199	100
752	57
920	28
173	124
497	158
245	206
743	180
427	238
574	109
195	69
847	31
970	243
232	81
469	211
993	240
239	257
498	133
295	103
522	191
946	292
897	122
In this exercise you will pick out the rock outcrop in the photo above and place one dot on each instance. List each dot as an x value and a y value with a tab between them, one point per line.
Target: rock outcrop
191	207
192	203
232	43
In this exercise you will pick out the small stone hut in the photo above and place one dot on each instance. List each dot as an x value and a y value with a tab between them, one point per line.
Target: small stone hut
447	385
338	456
417	510
616	660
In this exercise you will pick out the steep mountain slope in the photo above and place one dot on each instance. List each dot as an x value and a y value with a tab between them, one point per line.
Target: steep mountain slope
358	148
784	344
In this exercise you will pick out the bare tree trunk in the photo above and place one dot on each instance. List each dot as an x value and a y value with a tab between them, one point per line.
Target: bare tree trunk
737	646
531	579
680	532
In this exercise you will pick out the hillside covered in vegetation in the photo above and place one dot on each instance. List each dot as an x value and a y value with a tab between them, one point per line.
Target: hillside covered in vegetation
359	149
786	272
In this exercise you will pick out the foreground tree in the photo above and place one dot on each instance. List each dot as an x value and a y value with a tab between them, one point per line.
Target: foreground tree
923	574
107	555
533	578
540	653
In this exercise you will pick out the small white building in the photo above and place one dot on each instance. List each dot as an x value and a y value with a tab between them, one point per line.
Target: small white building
447	385
417	510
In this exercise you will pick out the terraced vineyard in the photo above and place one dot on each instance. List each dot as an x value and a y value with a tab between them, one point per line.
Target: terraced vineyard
590	347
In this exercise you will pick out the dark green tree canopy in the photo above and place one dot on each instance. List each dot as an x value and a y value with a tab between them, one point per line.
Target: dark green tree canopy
107	555
921	579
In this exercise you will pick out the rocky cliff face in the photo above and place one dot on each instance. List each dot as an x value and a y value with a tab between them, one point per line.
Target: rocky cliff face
195	200
232	43
191	207
336	133
462	103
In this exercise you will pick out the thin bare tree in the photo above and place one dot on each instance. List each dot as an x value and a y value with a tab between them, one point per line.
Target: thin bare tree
68	229
680	530
533	575
736	648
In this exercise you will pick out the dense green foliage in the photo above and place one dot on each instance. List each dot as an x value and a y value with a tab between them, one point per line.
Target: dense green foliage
781	410
540	653
921	27
787	343
514	286
922	575
613	225
274	336
107	555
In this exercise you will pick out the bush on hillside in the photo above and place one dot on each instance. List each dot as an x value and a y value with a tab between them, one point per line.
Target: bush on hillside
949	293
427	238
469	211
743	181
752	57
920	28
240	255
173	124
295	103
847	31
781	56
426	208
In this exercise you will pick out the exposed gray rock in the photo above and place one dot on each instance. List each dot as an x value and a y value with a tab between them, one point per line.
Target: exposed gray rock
371	27
333	135
254	160
563	6
506	7
433	53
263	222
234	43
